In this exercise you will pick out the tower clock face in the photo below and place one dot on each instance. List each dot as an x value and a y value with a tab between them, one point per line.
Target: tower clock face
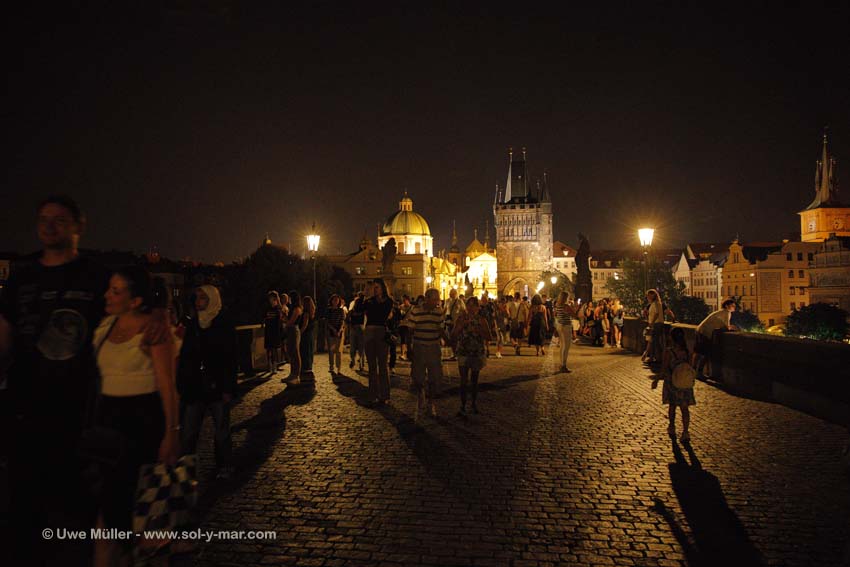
812	225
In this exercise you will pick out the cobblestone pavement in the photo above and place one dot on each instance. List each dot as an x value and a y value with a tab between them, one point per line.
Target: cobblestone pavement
559	469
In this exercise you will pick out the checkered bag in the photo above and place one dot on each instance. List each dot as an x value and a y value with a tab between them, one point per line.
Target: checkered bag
165	495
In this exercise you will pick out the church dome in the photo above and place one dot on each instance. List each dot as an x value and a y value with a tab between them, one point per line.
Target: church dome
405	221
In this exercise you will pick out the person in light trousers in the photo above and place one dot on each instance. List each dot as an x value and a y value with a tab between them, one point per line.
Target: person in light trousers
564	314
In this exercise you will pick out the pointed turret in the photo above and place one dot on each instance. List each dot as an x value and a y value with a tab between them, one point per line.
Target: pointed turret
487	234
508	188
454	247
544	193
825	180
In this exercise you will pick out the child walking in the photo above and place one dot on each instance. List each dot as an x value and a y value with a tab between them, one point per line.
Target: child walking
677	353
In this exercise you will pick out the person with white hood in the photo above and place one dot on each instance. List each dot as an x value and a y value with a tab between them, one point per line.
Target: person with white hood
206	376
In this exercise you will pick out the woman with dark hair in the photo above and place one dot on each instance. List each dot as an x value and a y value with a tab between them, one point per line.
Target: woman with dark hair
378	310
293	336
307	347
538	324
138	399
336	333
677	353
272	330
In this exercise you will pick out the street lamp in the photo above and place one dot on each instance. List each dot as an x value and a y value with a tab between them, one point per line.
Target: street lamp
313	247
444	284
428	280
645	236
554	280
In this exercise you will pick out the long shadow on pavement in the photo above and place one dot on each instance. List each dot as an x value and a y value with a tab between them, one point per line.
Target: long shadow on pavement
456	469
719	537
264	431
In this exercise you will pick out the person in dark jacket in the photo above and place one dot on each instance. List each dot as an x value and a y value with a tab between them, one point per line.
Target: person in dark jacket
206	376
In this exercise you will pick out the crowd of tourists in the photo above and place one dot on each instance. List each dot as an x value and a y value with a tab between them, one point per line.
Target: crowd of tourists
99	379
87	351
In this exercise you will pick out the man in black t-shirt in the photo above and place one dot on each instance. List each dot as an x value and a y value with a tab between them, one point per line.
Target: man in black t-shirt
48	312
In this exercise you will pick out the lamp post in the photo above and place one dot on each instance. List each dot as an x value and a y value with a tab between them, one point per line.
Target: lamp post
444	284
645	236
313	247
428	280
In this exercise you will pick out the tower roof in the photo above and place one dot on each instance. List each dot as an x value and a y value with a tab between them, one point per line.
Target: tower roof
454	247
826	184
475	247
517	188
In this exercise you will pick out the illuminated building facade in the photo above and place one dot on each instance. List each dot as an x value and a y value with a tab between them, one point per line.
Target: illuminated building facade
523	223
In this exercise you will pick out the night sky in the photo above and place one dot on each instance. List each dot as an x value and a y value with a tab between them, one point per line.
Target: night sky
198	127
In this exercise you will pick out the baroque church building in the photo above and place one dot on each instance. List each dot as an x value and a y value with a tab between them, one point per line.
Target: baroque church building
523	223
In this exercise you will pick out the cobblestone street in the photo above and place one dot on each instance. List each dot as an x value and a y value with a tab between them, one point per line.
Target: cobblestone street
566	469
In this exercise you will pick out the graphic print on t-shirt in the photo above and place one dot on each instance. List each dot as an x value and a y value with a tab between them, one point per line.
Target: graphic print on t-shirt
63	335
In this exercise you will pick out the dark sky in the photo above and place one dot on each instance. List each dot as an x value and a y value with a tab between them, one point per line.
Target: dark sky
200	126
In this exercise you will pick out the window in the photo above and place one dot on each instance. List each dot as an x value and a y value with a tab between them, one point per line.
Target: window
791	274
793	306
360	270
788	257
811	257
791	290
800	274
799	256
770	322
401	247
407	270
752	289
736	290
418	247
801	291
802	304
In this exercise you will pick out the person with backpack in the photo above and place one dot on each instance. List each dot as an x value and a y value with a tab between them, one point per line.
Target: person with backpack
679	376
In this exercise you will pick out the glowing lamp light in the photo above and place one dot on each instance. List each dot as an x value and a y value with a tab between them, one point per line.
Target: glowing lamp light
313	240
645	235
540	286
554	280
428	280
443	283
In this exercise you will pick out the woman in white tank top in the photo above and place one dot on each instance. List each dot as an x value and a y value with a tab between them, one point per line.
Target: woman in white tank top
139	399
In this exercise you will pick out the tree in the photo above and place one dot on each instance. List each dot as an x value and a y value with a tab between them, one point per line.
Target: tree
562	283
689	309
630	286
745	319
819	321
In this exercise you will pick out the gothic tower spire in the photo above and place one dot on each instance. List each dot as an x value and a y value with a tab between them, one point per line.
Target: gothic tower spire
510	166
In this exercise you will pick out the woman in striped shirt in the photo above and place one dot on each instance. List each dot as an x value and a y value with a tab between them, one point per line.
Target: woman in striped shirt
564	313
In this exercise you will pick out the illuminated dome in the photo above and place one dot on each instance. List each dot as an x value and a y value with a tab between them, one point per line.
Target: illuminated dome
405	221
